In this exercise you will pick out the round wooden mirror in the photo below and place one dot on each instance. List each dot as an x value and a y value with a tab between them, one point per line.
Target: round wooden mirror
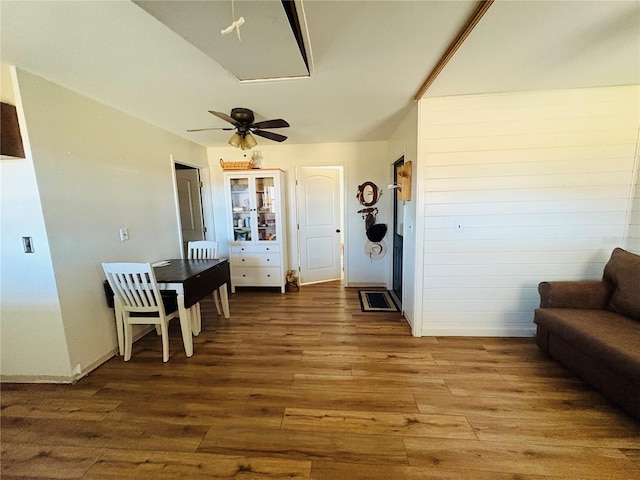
368	194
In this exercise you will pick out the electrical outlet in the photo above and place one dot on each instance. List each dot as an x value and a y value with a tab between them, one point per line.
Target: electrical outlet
124	234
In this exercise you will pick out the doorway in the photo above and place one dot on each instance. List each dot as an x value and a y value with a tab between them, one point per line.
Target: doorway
319	202
189	195
398	238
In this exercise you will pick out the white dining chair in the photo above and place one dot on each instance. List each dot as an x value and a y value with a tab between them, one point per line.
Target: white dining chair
138	301
203	249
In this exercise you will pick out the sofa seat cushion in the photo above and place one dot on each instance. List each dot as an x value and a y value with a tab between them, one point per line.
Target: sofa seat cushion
609	337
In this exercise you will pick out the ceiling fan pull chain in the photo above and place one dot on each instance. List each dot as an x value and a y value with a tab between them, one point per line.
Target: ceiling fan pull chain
235	24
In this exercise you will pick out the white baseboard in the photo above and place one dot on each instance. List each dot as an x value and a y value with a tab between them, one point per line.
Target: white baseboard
74	376
477	331
71	378
36	379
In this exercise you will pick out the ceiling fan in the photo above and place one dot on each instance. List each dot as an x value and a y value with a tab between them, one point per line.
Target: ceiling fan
242	120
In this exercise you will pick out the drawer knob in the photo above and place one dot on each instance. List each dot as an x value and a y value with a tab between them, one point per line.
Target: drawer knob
243	275
268	275
243	259
268	259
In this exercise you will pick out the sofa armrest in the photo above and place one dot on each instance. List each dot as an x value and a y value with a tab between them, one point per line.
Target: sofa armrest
593	294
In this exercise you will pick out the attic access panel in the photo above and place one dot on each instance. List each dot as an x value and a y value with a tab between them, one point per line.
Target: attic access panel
268	49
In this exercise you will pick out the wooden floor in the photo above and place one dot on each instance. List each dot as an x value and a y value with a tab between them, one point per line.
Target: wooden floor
305	386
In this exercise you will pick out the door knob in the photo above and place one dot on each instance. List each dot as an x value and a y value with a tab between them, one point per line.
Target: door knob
338	230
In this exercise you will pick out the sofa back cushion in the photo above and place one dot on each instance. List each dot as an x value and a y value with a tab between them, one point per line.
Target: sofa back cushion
623	272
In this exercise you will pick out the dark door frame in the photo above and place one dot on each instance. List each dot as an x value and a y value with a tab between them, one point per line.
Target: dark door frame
397	239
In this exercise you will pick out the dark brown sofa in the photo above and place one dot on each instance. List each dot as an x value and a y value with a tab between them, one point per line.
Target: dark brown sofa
593	329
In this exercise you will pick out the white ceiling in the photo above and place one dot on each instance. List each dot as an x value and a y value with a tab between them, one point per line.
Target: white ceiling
368	59
265	48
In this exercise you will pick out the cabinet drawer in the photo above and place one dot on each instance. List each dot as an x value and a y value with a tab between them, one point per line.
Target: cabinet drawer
256	276
255	260
268	248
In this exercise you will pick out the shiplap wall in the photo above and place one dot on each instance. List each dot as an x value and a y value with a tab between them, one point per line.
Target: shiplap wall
520	188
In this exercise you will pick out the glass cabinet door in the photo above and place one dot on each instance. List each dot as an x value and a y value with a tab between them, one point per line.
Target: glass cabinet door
266	207
241	209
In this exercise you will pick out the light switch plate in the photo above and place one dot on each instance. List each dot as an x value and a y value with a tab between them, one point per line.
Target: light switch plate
27	243
124	234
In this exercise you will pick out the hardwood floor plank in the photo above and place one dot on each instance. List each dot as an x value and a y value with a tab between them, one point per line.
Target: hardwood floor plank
200	414
367	384
47	391
569	411
448	372
79	433
377	423
530	389
302	445
168	465
526	459
40	461
70	408
547	430
191	377
274	367
398	328
536	371
151	391
355	356
358	471
330	399
633	454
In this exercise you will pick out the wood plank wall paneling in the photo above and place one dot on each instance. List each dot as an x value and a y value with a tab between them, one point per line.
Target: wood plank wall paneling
521	188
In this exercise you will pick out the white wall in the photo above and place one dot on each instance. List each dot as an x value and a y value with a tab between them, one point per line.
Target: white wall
29	306
404	141
361	161
97	170
540	185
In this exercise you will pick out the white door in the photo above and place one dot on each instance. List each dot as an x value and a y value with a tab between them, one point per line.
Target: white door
190	202
319	225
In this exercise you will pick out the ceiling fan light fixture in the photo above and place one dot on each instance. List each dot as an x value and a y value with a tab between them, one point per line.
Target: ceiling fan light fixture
236	140
249	142
242	120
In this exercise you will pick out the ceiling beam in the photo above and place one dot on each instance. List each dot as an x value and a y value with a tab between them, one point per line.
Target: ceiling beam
481	9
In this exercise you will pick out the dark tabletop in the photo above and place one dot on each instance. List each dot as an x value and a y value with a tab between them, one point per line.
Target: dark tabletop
180	270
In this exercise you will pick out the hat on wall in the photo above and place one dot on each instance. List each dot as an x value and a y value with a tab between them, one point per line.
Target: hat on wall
375	250
369	221
376	232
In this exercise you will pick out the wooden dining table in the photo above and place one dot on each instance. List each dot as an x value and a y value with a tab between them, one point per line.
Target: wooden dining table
193	280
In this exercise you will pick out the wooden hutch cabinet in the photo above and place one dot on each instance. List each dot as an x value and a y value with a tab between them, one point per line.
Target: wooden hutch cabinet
257	249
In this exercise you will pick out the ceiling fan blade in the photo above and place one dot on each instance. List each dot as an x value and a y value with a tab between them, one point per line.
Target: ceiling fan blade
270	135
223	116
203	129
277	123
